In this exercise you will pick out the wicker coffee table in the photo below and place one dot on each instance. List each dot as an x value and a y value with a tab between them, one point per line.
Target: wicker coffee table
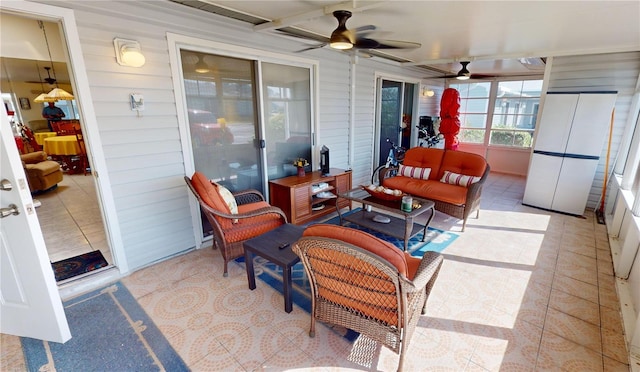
401	223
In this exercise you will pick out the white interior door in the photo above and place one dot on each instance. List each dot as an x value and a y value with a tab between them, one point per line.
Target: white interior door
30	304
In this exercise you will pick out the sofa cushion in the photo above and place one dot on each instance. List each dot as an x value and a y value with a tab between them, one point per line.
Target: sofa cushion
379	247
458	179
429	189
414	172
461	162
424	157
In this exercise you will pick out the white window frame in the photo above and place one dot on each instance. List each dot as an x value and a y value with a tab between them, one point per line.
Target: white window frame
493	92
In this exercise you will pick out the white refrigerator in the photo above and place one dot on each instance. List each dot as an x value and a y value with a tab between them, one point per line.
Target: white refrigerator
567	149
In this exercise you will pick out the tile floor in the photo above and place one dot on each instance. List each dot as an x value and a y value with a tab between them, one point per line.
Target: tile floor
70	219
520	290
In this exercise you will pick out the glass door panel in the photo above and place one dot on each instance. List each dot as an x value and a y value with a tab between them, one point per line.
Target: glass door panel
390	116
287	107
221	101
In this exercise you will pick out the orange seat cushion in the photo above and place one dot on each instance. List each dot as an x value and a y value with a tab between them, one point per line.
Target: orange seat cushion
208	191
235	230
247	228
432	190
361	239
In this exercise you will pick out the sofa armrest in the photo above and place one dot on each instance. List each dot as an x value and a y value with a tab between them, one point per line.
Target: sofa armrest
474	190
385	173
33	157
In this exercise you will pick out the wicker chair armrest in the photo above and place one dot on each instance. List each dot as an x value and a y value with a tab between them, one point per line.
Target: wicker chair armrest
239	216
248	196
427	271
473	191
385	172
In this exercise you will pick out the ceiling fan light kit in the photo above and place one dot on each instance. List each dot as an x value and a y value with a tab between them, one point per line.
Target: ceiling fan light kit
464	73
340	36
202	67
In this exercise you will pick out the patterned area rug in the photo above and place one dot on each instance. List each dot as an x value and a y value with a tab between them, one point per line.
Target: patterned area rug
436	241
110	332
78	265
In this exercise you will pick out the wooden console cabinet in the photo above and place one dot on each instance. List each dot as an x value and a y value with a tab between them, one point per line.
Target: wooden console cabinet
296	195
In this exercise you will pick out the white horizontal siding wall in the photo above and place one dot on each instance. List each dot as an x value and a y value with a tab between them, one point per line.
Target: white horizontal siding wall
143	153
600	72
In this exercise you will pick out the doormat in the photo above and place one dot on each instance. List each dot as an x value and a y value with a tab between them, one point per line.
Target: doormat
78	265
110	332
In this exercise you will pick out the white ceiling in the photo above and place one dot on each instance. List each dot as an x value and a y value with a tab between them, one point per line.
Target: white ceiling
491	34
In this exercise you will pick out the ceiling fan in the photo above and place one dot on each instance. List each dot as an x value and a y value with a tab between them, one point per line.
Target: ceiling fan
49	80
344	39
464	73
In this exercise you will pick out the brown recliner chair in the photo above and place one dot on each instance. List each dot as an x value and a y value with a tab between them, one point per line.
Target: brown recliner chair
42	174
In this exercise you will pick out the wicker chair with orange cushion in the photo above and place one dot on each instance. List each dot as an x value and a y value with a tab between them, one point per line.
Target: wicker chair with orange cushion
234	217
365	284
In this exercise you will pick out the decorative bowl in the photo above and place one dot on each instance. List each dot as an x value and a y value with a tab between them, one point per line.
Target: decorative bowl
382	195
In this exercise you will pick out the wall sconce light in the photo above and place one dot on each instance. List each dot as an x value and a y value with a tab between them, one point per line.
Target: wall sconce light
128	53
426	92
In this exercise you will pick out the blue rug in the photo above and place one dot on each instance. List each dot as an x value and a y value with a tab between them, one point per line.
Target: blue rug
436	241
110	332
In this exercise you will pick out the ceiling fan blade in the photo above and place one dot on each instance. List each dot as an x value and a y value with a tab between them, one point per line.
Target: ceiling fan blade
312	47
397	44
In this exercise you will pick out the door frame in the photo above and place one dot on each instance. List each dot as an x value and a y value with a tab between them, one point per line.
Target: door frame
70	38
175	43
415	101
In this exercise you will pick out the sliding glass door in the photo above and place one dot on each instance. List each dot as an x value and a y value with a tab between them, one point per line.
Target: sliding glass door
248	120
287	106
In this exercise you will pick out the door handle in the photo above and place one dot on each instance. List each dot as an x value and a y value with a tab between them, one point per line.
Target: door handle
11	210
6	185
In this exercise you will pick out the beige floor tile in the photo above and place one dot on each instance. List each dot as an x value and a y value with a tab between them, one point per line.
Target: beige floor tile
611	365
611	319
573	329
575	306
575	287
614	346
558	353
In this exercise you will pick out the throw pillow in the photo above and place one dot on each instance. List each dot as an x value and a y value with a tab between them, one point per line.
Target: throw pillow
228	198
458	179
414	172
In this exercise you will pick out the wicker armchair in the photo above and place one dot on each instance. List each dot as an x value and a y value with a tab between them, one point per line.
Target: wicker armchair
366	284
254	217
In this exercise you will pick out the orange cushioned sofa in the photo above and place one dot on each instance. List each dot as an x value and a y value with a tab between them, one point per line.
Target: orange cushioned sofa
452	179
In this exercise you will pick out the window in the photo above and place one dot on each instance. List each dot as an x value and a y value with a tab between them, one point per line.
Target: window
474	105
507	109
